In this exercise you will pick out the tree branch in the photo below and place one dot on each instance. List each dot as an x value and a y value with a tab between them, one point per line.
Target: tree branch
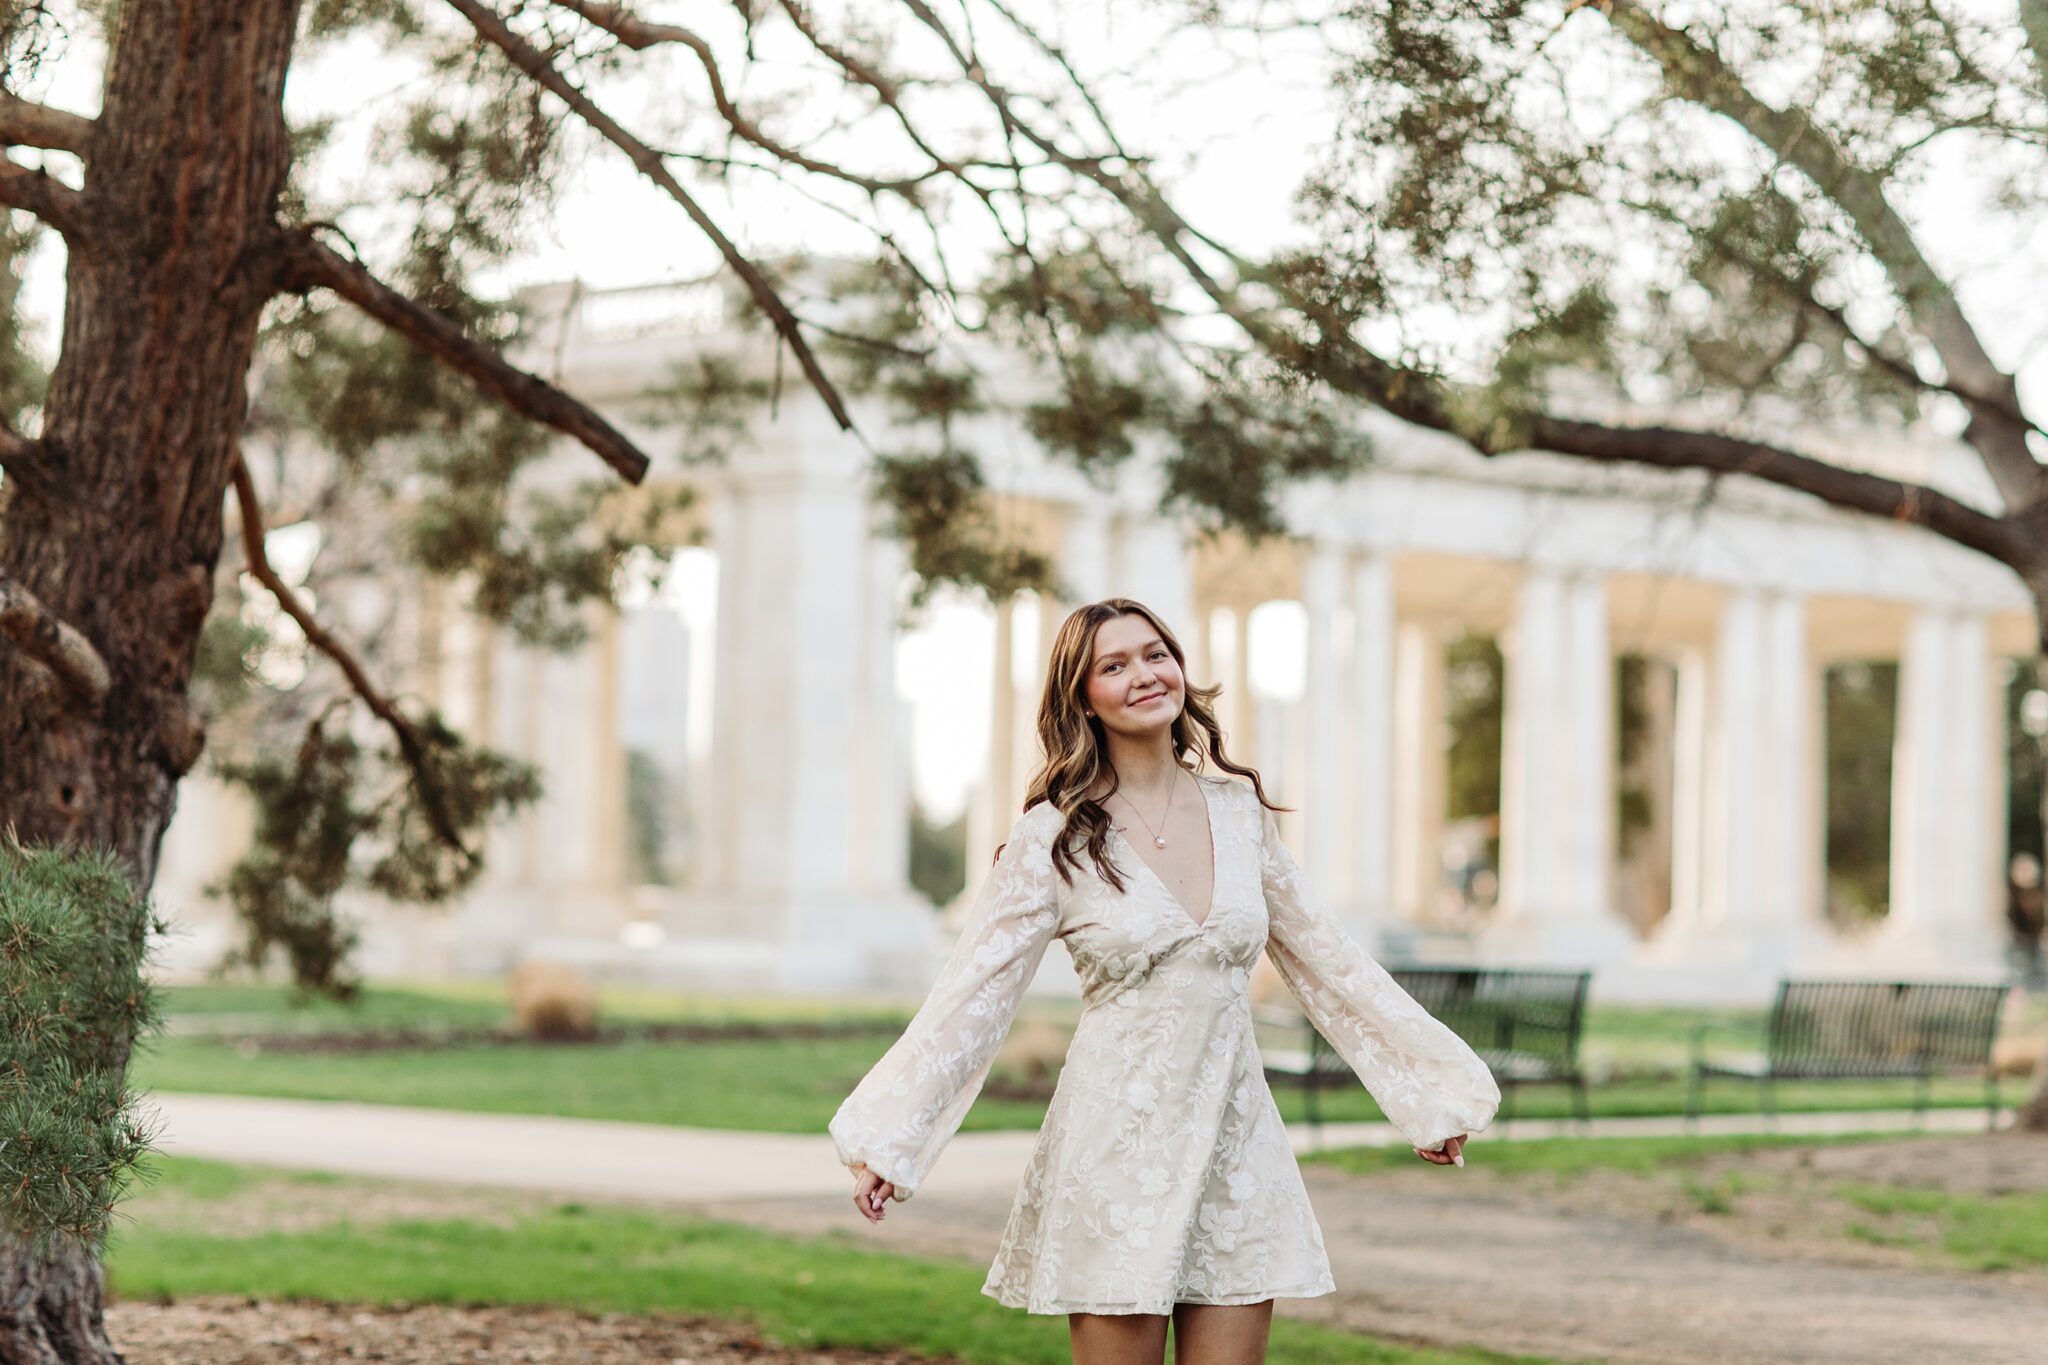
1852	490
639	35
628	28
432	798
1696	73
535	63
24	123
310	263
56	645
19	454
42	194
1426	400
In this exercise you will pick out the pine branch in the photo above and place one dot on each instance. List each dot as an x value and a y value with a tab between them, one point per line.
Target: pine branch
42	194
24	123
433	799
1695	72
1849	489
650	163
640	35
310	263
55	644
1345	365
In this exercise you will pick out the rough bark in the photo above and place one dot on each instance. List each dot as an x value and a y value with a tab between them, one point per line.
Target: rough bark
167	279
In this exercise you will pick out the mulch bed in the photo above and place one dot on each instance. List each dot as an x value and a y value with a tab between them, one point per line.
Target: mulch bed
243	1331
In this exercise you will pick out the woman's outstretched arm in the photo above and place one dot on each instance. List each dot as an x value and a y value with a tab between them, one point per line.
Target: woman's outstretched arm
901	1115
1427	1081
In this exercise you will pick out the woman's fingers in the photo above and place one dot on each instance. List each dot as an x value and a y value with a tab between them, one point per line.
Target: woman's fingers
1450	1154
870	1193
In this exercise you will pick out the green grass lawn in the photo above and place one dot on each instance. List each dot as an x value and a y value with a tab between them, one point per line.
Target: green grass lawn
2001	1232
826	1292
1572	1156
794	1085
443	1005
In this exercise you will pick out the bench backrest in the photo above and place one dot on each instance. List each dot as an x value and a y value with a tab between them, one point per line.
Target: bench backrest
1845	1024
1502	1010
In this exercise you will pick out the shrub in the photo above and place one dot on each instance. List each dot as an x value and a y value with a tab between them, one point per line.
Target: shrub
553	1002
74	935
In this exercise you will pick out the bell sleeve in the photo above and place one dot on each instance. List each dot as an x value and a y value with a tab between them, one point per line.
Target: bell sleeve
1425	1078
909	1105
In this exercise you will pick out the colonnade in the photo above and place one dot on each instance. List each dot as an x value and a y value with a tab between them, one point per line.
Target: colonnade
1742	804
798	878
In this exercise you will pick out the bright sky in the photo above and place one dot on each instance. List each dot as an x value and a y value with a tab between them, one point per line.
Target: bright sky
1232	138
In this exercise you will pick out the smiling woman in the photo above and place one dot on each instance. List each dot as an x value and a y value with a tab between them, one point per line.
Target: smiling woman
1162	1187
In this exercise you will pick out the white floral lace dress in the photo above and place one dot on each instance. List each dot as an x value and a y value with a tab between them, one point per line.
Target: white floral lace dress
1162	1172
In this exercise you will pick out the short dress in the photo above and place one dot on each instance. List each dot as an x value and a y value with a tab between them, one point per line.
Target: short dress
1162	1172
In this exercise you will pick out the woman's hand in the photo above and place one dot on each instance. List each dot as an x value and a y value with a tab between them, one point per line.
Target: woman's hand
1450	1154
871	1194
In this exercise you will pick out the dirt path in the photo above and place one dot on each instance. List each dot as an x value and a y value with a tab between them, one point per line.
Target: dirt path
1613	1268
241	1331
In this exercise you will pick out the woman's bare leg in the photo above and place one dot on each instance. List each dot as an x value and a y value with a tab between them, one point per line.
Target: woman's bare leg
1221	1334
1118	1338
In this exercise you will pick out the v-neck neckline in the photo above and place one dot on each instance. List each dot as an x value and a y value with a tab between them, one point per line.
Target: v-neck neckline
1209	818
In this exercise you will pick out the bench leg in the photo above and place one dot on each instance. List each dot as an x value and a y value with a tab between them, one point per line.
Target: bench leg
1991	1102
1692	1101
1770	1105
1580	1102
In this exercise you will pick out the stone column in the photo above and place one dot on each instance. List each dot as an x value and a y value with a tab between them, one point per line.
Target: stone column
1590	814
1974	828
1150	562
882	827
1688	791
1085	556
1324	740
1038	620
1919	784
1241	712
1791	740
991	815
1372	739
798	681
1419	760
1741	916
1557	803
1534	753
1947	835
1738	804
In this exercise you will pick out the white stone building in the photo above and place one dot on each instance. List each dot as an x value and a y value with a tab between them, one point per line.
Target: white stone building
781	711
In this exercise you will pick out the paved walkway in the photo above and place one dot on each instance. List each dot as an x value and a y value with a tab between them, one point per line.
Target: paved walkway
654	1163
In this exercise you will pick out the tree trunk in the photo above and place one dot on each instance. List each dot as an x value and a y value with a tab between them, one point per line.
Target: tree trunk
166	283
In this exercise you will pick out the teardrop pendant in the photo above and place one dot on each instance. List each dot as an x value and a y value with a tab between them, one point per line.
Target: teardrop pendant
1158	842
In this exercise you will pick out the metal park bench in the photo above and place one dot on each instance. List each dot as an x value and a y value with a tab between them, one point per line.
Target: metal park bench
1868	1030
1525	1025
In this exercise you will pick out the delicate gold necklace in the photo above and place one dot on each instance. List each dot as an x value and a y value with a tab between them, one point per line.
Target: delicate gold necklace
1158	839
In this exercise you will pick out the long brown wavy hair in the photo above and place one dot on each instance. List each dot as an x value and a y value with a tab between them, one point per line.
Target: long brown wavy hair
1077	756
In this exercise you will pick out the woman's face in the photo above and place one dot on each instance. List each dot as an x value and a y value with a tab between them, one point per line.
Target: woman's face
1134	686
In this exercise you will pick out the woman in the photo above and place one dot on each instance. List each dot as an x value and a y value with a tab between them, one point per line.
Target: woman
1162	1186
